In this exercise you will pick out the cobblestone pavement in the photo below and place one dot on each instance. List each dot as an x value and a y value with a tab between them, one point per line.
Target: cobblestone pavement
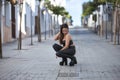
97	59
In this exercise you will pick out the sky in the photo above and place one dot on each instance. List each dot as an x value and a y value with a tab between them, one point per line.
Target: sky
74	7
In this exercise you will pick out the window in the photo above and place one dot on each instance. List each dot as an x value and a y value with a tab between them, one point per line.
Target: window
8	14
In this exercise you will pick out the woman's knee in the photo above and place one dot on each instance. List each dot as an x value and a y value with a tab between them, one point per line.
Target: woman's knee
55	45
59	54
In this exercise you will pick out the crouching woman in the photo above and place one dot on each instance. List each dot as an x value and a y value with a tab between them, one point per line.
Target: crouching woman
66	48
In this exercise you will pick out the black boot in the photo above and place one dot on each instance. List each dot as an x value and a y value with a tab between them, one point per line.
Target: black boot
75	60
63	62
72	62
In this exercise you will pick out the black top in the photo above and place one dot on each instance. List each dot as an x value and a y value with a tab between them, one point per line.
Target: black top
63	42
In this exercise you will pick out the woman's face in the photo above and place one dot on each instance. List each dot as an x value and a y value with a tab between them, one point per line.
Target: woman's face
65	30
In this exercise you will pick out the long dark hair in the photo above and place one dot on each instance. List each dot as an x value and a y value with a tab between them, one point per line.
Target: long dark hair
61	33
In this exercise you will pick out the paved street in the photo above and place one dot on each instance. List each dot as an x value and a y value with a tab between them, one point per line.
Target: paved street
98	59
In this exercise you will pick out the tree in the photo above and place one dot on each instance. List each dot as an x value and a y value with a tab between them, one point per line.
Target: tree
38	24
88	8
116	4
39	27
57	10
64	16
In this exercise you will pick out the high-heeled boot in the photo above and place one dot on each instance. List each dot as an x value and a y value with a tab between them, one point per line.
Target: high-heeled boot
73	61
63	62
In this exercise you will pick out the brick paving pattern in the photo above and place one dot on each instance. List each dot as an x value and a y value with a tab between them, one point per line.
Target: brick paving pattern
97	59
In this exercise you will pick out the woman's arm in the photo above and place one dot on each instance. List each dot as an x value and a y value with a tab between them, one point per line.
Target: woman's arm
56	37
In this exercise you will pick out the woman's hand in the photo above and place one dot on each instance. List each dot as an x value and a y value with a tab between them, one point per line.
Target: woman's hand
56	37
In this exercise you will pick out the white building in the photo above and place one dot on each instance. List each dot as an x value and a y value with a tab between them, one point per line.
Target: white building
102	19
6	28
10	18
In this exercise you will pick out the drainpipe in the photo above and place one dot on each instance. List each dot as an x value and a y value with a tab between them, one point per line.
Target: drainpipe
112	26
45	24
45	14
102	25
118	32
31	26
106	21
115	24
0	34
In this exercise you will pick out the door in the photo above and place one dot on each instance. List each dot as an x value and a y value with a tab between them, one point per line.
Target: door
13	22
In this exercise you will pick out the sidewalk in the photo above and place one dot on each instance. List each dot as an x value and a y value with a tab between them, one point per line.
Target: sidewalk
97	60
33	62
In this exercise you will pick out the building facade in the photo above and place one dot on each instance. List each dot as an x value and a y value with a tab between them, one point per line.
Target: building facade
32	9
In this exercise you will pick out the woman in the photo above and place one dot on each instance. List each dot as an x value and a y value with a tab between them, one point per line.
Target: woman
66	48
